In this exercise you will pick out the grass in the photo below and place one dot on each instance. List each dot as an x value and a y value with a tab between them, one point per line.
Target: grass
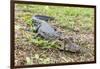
73	21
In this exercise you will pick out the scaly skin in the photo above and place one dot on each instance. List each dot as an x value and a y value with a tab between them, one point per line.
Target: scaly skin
44	29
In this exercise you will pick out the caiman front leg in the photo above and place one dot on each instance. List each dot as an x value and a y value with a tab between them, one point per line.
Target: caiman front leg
62	46
36	35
